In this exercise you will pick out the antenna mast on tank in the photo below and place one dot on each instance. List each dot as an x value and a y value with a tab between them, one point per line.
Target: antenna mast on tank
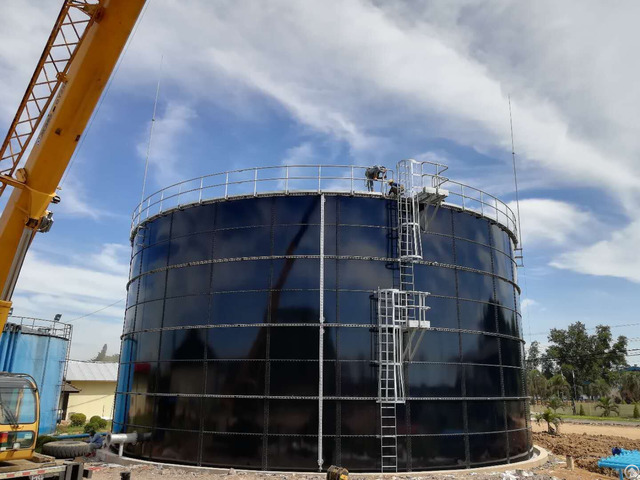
518	252
153	121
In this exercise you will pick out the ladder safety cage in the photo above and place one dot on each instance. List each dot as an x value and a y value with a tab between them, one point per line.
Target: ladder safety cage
390	375
402	312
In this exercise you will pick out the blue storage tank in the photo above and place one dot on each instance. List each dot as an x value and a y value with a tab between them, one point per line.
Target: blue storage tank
38	348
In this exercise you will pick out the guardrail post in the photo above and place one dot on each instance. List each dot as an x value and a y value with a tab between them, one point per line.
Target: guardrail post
161	199
255	182
462	195
497	211
481	205
179	193
319	177
226	186
286	179
200	192
351	179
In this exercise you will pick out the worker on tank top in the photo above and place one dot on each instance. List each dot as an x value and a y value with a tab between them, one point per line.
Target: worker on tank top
374	173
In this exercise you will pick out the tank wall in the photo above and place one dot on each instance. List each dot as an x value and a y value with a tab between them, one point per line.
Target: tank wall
43	357
239	386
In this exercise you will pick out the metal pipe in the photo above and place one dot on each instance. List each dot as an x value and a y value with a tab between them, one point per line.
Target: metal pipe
321	337
121	438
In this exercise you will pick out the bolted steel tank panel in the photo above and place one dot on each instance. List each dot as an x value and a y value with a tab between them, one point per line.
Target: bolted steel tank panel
220	354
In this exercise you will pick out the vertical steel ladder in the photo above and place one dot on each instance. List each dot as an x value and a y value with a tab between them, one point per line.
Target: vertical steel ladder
400	310
390	376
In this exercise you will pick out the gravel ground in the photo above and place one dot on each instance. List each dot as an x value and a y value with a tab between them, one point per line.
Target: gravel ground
553	470
586	442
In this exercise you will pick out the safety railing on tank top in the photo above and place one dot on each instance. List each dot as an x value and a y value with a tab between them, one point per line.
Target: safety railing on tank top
291	179
259	181
42	325
468	198
474	200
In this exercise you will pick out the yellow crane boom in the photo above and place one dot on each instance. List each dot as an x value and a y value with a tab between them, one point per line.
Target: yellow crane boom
72	73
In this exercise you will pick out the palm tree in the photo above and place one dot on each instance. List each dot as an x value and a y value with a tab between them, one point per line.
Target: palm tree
554	403
600	388
558	385
537	385
551	418
607	405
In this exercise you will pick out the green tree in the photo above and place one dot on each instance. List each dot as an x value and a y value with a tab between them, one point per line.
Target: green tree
636	412
608	406
551	418
115	358
586	357
101	355
533	358
581	413
554	403
630	387
537	385
599	388
558	385
548	367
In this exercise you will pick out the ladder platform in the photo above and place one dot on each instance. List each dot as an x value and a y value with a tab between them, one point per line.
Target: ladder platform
432	195
417	324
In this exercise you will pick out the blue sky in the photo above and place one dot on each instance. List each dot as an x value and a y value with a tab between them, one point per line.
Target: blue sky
357	82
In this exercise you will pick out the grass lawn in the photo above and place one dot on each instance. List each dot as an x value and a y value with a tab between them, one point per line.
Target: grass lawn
602	419
592	413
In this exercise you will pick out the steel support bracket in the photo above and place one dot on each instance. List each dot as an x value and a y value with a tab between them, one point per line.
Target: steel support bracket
38	201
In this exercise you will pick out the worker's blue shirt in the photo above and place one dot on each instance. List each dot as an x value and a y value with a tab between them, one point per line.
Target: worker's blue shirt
96	440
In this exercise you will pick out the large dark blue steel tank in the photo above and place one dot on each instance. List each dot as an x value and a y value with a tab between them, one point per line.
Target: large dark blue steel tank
221	338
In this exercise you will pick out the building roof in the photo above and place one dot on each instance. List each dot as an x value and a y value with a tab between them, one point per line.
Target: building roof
69	388
78	371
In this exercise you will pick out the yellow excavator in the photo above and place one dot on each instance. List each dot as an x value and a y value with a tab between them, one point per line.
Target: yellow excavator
87	39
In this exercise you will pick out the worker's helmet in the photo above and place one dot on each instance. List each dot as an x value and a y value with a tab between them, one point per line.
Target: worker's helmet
390	181
383	168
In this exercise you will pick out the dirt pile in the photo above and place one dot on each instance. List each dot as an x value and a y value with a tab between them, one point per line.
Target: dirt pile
585	449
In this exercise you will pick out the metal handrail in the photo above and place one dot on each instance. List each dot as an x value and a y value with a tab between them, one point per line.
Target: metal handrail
43	325
315	178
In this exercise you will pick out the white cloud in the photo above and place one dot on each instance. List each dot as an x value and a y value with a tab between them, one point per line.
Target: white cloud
547	222
349	69
169	133
74	202
528	303
20	21
615	256
299	155
76	284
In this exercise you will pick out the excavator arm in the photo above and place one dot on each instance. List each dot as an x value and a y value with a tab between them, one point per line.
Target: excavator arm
79	57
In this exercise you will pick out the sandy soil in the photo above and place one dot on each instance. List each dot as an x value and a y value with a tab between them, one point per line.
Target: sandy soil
630	432
585	448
